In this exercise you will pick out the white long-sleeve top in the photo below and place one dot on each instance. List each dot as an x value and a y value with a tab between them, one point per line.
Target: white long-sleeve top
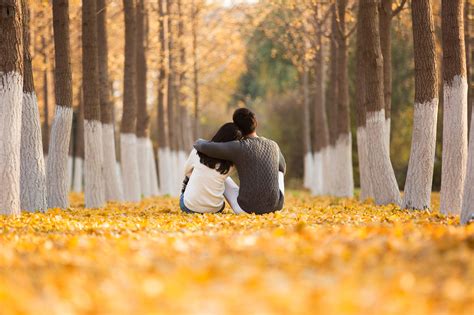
205	190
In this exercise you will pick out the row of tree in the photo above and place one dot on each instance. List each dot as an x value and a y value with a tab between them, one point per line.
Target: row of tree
86	154
319	31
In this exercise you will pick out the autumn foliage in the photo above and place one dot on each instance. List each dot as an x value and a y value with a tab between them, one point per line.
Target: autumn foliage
325	254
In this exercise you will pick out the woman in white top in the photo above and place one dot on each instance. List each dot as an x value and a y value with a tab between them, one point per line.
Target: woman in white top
204	191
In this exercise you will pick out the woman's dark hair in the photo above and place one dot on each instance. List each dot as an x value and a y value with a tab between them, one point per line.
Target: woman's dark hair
228	132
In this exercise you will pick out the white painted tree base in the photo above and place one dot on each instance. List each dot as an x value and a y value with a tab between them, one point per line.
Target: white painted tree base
174	173
467	213
118	168
420	168
143	166
317	182
58	188
113	189
154	188
182	156
33	174
130	173
94	159
343	176
78	175
364	170
384	183
69	171
11	98
388	125
326	175
165	167
454	145
308	170
331	170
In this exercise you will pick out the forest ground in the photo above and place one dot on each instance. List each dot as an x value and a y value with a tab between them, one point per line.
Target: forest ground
319	255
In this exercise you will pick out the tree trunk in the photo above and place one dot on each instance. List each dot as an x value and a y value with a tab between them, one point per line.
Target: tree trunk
366	190
11	94
332	103
195	70
420	169
93	176
467	214
320	139
383	179
163	138
183	119
58	187
385	27
455	107
308	156
79	146
128	139
45	127
173	127
33	176
344	175
141	92
113	189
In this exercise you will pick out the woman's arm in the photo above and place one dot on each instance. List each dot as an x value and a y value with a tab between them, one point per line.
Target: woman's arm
219	150
281	163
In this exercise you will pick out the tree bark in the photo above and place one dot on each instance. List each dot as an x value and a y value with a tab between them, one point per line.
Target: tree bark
128	139
308	156
33	176
332	109
385	27
93	176
11	95
366	190
79	145
113	189
197	126
320	139
163	138
420	170
383	179
58	186
455	107
45	127
141	92
345	180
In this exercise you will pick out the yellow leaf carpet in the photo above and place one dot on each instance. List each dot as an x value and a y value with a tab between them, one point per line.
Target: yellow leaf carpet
317	256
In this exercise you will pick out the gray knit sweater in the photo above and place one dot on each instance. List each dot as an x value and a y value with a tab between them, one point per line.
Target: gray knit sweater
258	161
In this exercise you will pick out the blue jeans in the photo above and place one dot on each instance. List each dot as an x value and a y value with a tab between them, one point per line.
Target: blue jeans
189	211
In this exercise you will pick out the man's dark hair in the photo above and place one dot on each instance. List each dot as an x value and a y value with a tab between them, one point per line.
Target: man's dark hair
228	132
245	119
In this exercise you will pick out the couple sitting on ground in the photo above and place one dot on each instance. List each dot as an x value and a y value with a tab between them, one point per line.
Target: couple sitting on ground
260	166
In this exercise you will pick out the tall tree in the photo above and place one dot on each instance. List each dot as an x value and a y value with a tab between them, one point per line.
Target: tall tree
79	145
58	186
33	175
194	24
45	126
173	129
344	177
93	162
320	137
308	155
386	14
128	138
11	94
420	170
467	213
362	145
455	107
163	139
332	100
113	190
383	180
141	92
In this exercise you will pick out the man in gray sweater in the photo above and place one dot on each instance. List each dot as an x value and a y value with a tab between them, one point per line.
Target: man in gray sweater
259	163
